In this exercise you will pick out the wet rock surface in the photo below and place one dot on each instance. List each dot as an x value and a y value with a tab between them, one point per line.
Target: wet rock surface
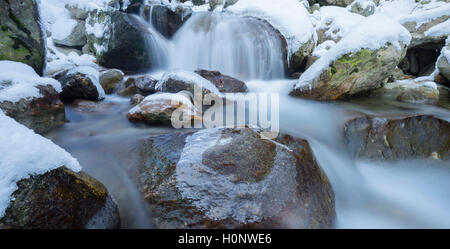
230	178
412	137
77	85
61	198
158	109
224	83
40	114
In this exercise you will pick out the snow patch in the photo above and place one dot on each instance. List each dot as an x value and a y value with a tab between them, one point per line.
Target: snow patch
18	81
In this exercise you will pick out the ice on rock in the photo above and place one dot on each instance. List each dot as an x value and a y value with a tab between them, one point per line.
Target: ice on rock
290	17
18	80
219	196
24	153
374	32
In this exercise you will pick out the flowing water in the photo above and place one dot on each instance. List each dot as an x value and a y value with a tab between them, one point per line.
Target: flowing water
407	194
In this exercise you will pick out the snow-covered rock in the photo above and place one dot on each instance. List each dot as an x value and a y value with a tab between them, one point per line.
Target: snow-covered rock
42	185
80	82
411	91
30	99
159	107
427	21
290	17
358	63
179	80
333	23
362	7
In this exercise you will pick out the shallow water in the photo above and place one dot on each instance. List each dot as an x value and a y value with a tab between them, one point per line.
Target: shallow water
406	194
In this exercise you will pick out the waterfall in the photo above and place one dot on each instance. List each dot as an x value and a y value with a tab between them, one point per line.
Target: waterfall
158	45
244	48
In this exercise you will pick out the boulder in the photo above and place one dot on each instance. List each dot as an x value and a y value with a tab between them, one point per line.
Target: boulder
352	73
21	34
165	19
425	29
40	114
176	81
123	44
396	138
144	84
61	199
109	79
76	39
159	107
232	178
80	83
224	83
410	91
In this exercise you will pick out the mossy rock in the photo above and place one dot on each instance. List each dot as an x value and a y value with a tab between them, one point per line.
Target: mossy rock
61	198
21	35
232	178
354	73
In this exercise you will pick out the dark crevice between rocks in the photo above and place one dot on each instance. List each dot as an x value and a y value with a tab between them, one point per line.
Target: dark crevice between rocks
421	60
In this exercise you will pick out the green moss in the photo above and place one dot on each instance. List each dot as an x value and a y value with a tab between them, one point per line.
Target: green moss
355	59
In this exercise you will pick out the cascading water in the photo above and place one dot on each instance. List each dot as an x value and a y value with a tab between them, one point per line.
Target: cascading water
244	48
157	45
368	194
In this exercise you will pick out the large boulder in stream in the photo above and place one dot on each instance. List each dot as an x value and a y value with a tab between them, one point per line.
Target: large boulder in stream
21	34
342	3
123	42
42	185
224	83
395	138
232	178
339	74
62	199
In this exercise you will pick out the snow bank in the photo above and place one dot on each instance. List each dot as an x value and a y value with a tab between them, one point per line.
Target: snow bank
337	21
24	153
18	80
290	17
373	32
188	77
